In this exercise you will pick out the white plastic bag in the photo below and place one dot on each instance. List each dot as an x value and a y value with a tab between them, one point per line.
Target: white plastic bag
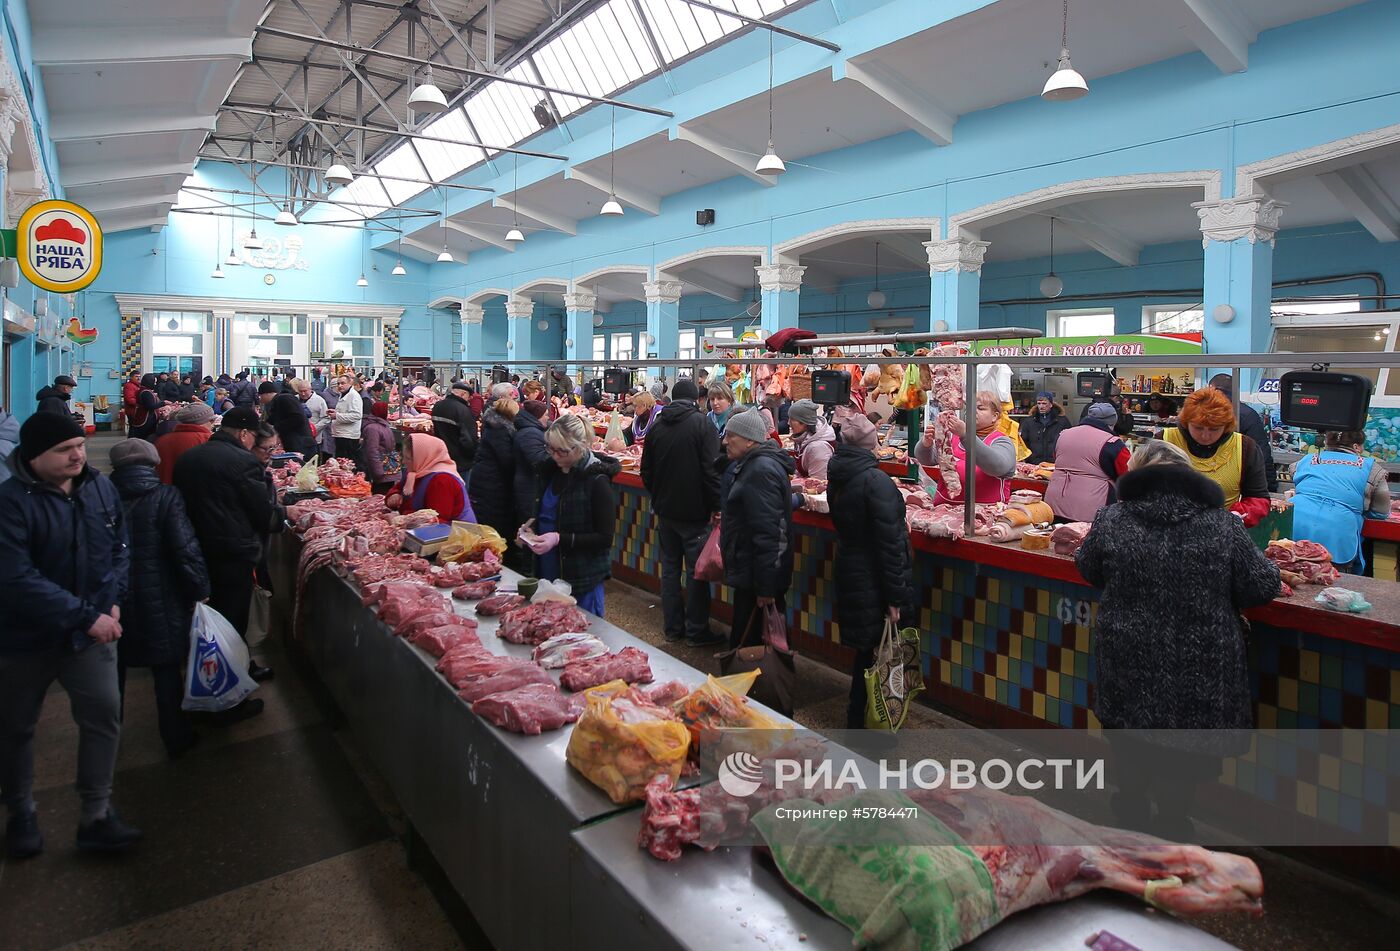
216	676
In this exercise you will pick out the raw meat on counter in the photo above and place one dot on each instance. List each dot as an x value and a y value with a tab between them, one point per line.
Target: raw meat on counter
568	648
537	623
426	622
521	674
439	640
1302	562
1067	539
499	604
664	695
628	664
474	591
455	573
531	709
467	663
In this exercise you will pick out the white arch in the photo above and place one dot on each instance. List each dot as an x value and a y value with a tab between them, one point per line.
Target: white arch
447	303
971	223
598	274
740	251
1253	179
484	295
547	284
790	251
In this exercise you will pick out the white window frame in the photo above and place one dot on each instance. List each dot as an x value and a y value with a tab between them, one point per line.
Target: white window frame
1173	319
1303	315
600	347
687	345
615	352
1055	321
375	337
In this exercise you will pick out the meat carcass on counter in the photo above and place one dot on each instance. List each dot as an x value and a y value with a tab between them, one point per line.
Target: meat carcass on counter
531	709
499	604
475	590
524	672
565	649
1067	538
628	664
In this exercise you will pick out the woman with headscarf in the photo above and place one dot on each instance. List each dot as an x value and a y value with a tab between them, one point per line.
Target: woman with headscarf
430	481
644	413
145	422
1206	430
996	457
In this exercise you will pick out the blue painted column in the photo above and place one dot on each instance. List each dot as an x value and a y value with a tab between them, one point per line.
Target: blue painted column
955	278
520	311
578	326
781	287
473	318
1238	234
663	322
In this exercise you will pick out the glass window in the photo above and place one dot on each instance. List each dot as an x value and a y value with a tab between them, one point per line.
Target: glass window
174	345
600	347
356	339
721	333
253	323
1079	323
443	160
401	161
686	349
1173	319
186	321
622	346
364	197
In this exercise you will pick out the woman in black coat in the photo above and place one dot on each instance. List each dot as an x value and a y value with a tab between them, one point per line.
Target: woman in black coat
147	402
286	415
167	578
531	452
1171	658
492	488
873	572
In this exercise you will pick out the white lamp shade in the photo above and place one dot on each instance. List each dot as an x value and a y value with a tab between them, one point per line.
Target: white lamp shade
398	270
940	326
1051	286
339	174
253	242
427	98
875	299
515	234
597	320
569	343
233	260
445	256
1065	83
542	325
218	273
285	217
770	164
1224	313
362	282
611	207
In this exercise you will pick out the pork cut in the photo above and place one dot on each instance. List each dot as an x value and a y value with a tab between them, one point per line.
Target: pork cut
425	622
1067	539
664	695
439	640
521	674
499	604
537	623
531	709
475	590
628	664
564	649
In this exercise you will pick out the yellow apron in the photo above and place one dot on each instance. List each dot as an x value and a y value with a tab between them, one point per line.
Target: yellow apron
1012	429
1223	468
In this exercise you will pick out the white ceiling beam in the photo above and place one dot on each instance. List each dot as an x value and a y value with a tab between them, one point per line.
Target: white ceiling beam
707	283
629	195
100	203
742	161
549	219
1221	31
80	127
480	234
79	46
1365	200
129	170
421	245
127	219
1099	236
920	112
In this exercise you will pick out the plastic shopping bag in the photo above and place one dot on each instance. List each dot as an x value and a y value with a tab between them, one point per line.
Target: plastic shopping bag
621	742
308	478
467	540
910	394
894	680
216	676
613	441
710	565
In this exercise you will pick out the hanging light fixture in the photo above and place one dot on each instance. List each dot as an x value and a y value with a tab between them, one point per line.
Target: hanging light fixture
285	217
1065	83
770	164
218	272
264	324
363	281
398	270
233	260
444	256
1050	284
338	174
173	324
427	98
364	254
612	207
515	235
253	242
343	329
876	298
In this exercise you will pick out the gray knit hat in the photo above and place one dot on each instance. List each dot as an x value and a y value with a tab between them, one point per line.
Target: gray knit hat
135	452
195	413
804	412
1103	412
747	424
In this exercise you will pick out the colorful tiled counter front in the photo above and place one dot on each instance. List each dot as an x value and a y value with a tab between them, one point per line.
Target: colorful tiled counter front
1007	643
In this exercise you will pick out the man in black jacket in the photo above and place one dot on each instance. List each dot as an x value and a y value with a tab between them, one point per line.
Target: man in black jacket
233	513
168	388
678	469
1252	426
54	397
1041	430
455	424
243	392
283	411
63	574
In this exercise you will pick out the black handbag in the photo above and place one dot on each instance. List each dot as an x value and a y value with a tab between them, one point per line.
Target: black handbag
776	665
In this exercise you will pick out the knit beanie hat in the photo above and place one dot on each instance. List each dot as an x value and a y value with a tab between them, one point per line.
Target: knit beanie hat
1045	395
379	409
135	452
859	432
747	424
804	412
462	385
536	408
42	431
685	389
241	417
267	386
1103	412
195	413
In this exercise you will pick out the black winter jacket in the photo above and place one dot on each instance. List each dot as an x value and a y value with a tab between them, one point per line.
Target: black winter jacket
52	401
756	521
169	391
455	424
1041	435
1252	427
63	559
227	499
492	488
1173	659
531	453
587	519
678	464
874	570
243	393
286	415
167	571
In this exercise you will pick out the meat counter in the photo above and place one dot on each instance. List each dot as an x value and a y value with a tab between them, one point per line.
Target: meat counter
1007	644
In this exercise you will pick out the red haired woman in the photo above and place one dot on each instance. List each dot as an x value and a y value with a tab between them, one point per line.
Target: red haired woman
1206	430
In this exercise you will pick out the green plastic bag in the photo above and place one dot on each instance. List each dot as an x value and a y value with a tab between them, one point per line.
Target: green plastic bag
894	680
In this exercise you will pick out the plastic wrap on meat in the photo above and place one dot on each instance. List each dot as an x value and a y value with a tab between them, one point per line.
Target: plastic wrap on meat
474	591
564	649
531	709
537	623
628	664
499	604
439	640
1066	539
509	679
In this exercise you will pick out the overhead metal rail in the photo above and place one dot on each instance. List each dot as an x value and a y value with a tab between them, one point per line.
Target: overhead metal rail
318	168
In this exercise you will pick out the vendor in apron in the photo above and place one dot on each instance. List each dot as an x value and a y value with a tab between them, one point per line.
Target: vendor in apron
996	457
1207	432
1334	491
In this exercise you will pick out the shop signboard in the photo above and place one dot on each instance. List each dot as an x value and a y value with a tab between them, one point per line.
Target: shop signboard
1093	348
59	245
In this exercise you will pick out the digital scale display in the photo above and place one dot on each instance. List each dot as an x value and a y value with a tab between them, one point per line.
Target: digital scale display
1324	401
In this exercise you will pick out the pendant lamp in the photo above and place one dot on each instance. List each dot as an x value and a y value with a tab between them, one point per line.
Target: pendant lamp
338	174
515	235
285	217
1066	82
253	242
218	272
427	97
1050	284
612	207
876	298
770	164
398	270
233	260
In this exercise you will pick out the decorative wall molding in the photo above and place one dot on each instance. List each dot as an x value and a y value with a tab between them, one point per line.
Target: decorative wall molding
580	301
780	277
731	251
956	254
592	277
485	294
788	251
1230	219
974	220
520	308
28	184
445	302
1249	179
473	313
141	302
663	292
547	285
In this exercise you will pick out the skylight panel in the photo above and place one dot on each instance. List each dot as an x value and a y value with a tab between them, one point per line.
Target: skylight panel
443	160
402	162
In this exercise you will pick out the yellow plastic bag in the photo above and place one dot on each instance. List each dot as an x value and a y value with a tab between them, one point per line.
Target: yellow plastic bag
468	538
308	478
620	745
910	394
719	705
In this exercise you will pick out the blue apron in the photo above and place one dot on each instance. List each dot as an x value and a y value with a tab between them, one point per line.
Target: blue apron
1329	507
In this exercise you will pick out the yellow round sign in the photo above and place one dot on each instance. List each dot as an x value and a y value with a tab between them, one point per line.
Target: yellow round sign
60	246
